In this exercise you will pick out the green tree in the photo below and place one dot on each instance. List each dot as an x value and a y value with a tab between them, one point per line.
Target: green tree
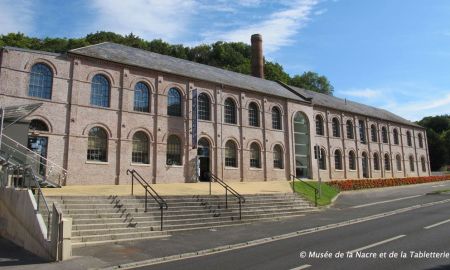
438	154
275	72
314	82
439	123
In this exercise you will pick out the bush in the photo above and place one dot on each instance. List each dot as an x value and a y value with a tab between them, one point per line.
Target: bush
355	184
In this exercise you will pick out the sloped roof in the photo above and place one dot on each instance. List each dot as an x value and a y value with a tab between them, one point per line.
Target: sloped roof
137	57
142	58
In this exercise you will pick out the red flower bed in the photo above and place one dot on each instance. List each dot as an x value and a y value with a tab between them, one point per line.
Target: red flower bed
355	184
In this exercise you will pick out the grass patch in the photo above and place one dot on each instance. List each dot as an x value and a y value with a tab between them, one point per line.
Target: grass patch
440	191
328	192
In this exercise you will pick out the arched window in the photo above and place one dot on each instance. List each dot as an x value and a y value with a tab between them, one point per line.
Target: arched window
337	159
319	125
322	160
352	160
41	81
420	140
384	135
173	150
395	133
349	127
174	102
398	160
97	145
230	111
230	154
376	162
141	97
424	165
276	118
387	162
408	138
255	156
38	125
204	111
100	91
411	163
140	148
336	127
253	115
362	131
365	165
278	157
373	133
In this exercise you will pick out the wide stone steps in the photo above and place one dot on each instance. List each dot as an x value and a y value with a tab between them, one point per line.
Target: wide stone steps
101	219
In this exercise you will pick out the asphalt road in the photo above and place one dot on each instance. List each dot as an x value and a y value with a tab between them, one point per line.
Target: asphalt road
386	236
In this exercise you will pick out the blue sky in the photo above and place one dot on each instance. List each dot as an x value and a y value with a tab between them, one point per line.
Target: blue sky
390	54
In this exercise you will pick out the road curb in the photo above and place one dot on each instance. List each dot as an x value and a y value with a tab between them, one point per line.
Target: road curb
270	239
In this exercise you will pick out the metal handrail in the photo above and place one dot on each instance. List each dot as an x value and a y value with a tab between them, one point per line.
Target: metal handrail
316	191
158	199
35	157
240	198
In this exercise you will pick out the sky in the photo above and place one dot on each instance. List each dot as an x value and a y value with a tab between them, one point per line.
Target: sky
391	54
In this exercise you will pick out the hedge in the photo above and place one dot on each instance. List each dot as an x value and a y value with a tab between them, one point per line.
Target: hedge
354	184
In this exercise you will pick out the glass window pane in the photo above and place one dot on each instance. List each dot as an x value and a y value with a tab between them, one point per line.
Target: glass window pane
141	97
41	81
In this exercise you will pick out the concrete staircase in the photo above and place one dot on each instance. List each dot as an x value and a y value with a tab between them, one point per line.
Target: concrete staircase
103	219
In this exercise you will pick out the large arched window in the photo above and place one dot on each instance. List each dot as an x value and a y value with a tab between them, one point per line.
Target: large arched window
384	135
230	154
255	156
230	111
100	90
301	147
276	118
173	150
424	165
336	126
319	125
398	160
41	81
38	125
373	133
408	138
376	162
387	162
141	97
419	136
395	134
174	102
351	161
349	127
253	115
362	131
337	159
411	163
97	145
140	148
278	157
204	107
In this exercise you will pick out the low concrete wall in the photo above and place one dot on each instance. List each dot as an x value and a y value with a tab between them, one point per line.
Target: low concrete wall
22	224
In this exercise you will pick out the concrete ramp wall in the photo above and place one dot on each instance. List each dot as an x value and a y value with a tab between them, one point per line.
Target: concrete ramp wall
22	224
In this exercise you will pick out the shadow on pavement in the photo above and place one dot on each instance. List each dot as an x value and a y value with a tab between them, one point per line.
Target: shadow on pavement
12	255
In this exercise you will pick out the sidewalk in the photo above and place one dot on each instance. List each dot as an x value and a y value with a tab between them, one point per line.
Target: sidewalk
200	188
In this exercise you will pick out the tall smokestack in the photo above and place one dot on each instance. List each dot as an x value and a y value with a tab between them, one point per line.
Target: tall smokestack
257	56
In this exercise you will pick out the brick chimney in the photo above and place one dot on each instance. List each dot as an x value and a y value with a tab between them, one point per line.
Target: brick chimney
257	56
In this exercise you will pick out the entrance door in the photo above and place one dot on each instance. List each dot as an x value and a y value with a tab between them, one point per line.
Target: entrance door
365	166
39	146
203	153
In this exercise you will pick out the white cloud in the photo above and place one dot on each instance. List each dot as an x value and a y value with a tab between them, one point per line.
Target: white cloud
148	19
16	16
363	93
277	30
320	11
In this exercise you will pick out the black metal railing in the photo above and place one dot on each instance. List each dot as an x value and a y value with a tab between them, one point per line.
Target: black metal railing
228	189
148	190
316	191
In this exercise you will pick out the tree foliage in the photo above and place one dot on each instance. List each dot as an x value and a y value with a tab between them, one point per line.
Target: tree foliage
234	56
438	136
